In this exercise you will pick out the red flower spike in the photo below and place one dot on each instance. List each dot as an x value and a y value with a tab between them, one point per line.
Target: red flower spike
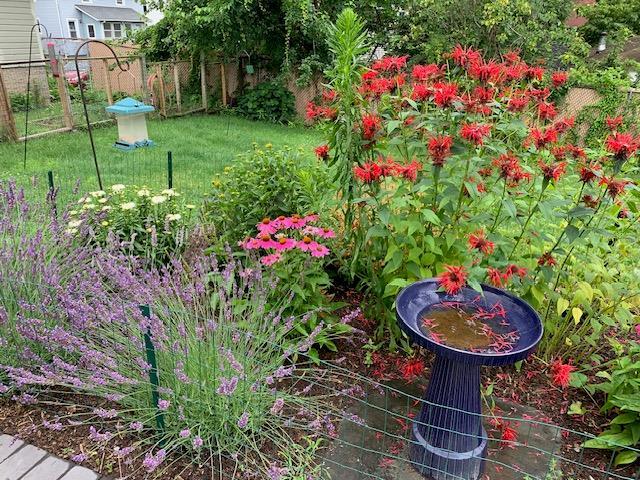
558	79
423	73
390	64
464	56
440	149
444	94
561	373
615	187
535	73
322	151
421	92
478	241
371	124
546	259
475	132
547	111
412	368
453	279
552	171
495	277
614	122
590	172
564	124
510	169
622	145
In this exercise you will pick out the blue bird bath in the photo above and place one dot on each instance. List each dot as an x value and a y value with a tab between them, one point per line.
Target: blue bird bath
448	438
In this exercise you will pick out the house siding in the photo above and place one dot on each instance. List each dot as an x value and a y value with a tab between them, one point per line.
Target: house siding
16	19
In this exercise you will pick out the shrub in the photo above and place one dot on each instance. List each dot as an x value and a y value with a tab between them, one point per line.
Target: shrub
464	167
147	224
263	183
270	101
294	248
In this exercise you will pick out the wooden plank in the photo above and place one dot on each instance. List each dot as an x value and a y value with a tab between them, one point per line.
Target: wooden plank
143	79
6	114
203	82
43	134
223	81
176	81
105	63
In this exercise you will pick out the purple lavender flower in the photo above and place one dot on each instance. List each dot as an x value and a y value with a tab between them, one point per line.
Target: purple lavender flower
136	426
164	404
79	458
123	452
185	433
197	442
276	473
227	386
276	409
151	461
243	421
96	436
102	413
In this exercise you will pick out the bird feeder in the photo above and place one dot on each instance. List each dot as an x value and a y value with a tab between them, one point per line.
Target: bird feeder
132	123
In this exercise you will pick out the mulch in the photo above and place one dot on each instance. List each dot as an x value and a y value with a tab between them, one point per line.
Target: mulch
530	386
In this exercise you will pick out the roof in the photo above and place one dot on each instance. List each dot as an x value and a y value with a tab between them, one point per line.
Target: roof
111	14
129	106
630	51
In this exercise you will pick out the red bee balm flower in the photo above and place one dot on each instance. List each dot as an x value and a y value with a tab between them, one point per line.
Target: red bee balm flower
368	173
614	186
547	111
423	73
561	373
371	124
412	368
495	277
547	259
552	171
322	151
478	241
440	149
613	122
475	132
588	173
622	145
559	78
453	279
444	94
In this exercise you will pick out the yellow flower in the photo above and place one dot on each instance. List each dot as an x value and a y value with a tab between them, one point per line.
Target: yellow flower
118	188
103	200
128	206
88	206
269	145
190	206
144	192
158	199
73	212
104	223
97	193
75	223
173	217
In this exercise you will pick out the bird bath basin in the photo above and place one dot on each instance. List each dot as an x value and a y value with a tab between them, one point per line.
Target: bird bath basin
465	331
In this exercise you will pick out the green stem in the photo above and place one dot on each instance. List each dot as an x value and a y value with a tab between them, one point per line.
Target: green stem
495	221
436	178
532	210
461	194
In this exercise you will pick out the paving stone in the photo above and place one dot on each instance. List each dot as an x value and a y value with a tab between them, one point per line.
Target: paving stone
51	468
8	445
20	462
79	473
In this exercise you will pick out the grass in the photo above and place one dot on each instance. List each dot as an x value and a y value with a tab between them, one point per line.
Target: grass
201	145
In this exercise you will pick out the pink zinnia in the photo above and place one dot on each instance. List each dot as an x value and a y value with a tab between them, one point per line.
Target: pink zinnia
319	251
271	259
250	244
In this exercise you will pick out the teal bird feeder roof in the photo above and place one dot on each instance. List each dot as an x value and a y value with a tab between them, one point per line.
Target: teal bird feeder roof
129	106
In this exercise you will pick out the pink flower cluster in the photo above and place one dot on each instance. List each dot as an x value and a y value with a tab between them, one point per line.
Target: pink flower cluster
288	233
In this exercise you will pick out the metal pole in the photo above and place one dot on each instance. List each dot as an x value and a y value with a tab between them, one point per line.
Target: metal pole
170	169
84	103
26	114
153	372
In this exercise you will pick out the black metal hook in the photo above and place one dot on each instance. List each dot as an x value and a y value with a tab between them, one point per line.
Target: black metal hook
84	103
26	116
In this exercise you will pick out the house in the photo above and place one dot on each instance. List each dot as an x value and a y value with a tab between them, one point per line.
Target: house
17	18
85	19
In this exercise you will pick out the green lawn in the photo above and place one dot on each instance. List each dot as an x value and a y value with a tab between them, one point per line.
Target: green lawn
201	146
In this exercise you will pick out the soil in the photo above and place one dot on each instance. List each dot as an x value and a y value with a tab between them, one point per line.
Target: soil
530	386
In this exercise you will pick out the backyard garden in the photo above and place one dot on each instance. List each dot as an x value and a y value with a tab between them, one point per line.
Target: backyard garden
435	276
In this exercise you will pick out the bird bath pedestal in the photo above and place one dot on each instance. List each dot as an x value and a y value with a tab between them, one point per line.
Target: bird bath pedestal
448	439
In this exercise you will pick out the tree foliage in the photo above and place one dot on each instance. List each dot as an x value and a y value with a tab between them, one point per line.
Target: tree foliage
611	16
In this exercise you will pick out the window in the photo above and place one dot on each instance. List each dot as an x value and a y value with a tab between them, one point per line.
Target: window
73	28
112	30
87	1
91	30
119	2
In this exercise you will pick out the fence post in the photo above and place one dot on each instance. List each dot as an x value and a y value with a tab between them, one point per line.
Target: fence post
105	62
58	72
6	114
203	82
143	79
162	100
51	196
153	371
176	81
170	169
223	84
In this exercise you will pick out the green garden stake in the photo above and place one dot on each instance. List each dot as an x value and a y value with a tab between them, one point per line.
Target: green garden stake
170	169
153	372
52	190
250	69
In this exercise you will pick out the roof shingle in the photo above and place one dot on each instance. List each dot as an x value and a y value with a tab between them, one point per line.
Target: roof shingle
111	14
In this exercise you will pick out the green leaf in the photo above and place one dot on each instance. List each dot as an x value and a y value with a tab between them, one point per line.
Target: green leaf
576	408
562	305
626	457
430	216
625	418
577	314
